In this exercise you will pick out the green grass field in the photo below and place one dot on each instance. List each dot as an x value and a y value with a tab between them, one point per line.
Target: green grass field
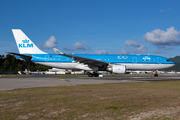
156	100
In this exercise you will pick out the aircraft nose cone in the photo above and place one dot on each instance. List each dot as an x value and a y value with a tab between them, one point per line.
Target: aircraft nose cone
173	64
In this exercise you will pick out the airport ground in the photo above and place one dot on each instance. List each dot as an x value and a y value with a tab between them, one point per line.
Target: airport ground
69	97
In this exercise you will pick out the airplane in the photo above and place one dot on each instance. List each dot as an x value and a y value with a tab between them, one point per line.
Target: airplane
118	64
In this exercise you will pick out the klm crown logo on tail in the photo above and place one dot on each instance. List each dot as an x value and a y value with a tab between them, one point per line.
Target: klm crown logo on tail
25	44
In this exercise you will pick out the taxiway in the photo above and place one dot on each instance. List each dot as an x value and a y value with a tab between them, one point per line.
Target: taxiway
45	81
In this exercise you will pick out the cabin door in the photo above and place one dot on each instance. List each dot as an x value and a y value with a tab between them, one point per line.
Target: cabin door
134	59
159	60
47	58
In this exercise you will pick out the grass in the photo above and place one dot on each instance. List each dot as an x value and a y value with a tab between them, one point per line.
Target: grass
156	100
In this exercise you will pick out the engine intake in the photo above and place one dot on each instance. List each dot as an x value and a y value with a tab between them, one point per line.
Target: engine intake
119	69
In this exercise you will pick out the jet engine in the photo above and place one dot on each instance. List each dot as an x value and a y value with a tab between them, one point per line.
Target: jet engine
119	69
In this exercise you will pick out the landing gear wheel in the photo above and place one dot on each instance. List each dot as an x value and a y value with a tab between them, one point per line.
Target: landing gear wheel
90	75
155	75
96	75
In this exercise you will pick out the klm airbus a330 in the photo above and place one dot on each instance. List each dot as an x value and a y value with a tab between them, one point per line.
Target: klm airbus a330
89	62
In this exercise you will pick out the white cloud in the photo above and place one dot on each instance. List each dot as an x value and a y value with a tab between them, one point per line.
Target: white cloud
136	47
50	43
166	47
100	52
165	10
85	43
169	9
140	49
77	46
160	37
157	51
68	48
132	43
160	48
123	51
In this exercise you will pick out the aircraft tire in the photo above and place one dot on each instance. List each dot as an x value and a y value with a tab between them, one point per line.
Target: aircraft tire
90	75
155	75
96	75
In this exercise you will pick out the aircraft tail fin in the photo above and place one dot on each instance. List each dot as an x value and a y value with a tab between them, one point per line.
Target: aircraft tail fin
24	44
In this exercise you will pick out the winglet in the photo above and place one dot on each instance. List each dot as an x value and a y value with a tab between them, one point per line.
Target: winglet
57	51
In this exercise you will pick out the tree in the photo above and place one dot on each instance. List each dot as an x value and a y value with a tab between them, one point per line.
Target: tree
10	63
6	65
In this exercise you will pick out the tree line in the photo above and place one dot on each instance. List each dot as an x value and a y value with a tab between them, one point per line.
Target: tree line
9	63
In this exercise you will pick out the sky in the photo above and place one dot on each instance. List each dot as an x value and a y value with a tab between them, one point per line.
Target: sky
94	26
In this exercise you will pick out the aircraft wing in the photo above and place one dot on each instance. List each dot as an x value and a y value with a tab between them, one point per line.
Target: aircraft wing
24	56
90	62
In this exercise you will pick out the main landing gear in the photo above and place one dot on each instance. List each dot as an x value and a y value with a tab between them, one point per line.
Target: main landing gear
156	73
95	74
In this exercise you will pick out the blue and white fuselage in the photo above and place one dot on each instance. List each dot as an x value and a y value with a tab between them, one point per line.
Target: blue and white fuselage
90	62
132	62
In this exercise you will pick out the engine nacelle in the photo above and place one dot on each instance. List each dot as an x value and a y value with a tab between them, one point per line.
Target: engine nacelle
119	69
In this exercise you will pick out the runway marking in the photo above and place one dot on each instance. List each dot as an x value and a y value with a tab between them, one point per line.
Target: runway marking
65	80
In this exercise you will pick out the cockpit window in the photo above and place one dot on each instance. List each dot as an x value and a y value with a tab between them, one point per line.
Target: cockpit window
168	60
